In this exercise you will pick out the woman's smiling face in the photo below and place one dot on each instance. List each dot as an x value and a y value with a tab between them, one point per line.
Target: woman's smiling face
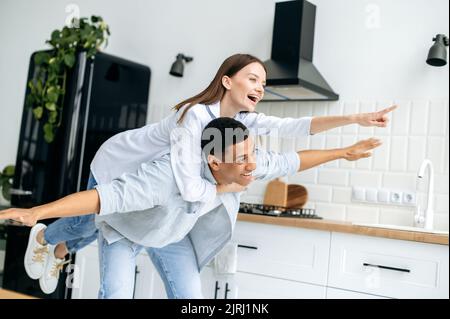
246	87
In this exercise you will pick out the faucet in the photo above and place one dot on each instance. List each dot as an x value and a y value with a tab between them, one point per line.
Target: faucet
428	217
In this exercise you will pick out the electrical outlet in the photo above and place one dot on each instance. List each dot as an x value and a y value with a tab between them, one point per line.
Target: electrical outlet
396	197
409	198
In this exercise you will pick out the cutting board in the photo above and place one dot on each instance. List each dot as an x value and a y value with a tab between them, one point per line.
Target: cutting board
276	193
297	196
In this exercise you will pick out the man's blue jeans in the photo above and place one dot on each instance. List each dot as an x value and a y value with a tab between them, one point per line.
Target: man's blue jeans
176	264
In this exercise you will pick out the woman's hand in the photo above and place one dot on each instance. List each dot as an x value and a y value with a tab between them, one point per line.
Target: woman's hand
230	188
379	119
361	149
23	216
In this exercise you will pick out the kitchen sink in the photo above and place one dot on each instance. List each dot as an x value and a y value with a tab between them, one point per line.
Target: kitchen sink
407	228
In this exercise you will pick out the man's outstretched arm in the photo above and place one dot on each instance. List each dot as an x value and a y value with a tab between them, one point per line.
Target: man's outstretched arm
362	149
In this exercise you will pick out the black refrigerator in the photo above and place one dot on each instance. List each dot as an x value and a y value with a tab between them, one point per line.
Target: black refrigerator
104	96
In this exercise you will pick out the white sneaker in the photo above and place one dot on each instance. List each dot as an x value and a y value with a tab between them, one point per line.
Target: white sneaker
36	254
50	277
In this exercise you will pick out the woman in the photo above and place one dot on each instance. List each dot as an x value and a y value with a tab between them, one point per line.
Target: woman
234	92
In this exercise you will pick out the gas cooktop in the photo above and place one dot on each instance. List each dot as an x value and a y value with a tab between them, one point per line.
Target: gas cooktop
259	209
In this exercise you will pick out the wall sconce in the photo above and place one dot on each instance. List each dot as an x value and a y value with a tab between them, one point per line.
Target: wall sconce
437	56
178	66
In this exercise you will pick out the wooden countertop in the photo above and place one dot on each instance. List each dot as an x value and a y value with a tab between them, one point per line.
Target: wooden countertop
8	294
347	227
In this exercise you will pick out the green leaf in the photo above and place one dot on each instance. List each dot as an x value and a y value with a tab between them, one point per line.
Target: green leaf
50	106
41	57
38	112
95	19
52	97
6	190
9	170
29	100
69	60
48	132
56	36
52	117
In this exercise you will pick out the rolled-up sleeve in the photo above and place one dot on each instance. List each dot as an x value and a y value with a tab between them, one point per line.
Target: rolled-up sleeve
271	165
151	185
261	124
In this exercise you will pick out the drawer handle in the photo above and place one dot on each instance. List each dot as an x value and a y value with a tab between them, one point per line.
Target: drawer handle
386	267
248	247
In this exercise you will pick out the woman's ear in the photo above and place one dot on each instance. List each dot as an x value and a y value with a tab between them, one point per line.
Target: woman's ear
226	82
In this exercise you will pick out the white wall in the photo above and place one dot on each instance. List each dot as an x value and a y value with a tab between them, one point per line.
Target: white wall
371	52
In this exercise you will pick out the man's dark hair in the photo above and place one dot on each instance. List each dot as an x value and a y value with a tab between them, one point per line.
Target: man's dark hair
221	133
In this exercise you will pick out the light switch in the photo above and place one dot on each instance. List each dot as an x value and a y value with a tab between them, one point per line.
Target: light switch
383	196
371	195
358	194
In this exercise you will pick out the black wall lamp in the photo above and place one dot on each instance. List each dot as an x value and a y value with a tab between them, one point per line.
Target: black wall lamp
437	56
178	66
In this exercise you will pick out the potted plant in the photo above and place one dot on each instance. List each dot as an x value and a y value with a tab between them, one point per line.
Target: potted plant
47	88
6	180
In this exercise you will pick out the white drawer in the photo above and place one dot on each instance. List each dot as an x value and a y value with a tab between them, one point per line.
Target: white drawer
388	267
333	293
283	252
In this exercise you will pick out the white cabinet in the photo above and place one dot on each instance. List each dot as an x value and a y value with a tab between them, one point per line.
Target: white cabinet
388	267
333	293
283	252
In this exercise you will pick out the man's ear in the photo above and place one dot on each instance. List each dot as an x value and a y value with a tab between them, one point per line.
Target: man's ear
214	162
226	82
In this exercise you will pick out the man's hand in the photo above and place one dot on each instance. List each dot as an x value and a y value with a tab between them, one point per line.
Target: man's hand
361	149
379	119
23	216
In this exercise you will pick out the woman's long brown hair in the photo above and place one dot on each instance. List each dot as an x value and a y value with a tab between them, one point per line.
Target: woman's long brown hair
215	90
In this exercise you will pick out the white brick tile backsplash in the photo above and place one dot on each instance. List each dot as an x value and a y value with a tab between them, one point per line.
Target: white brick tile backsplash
304	109
317	142
419	118
365	179
333	177
436	153
399	217
362	214
331	211
441	221
319	193
418	129
438	113
366	107
441	203
304	177
399	149
441	183
400	118
399	181
380	155
416	152
350	107
342	195
320	109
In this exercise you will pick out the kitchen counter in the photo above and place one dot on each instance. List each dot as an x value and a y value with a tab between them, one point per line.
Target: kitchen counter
347	227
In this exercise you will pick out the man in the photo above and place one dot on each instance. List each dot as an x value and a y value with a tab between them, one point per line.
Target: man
145	209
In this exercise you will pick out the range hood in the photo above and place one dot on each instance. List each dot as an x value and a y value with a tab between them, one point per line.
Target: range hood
291	74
